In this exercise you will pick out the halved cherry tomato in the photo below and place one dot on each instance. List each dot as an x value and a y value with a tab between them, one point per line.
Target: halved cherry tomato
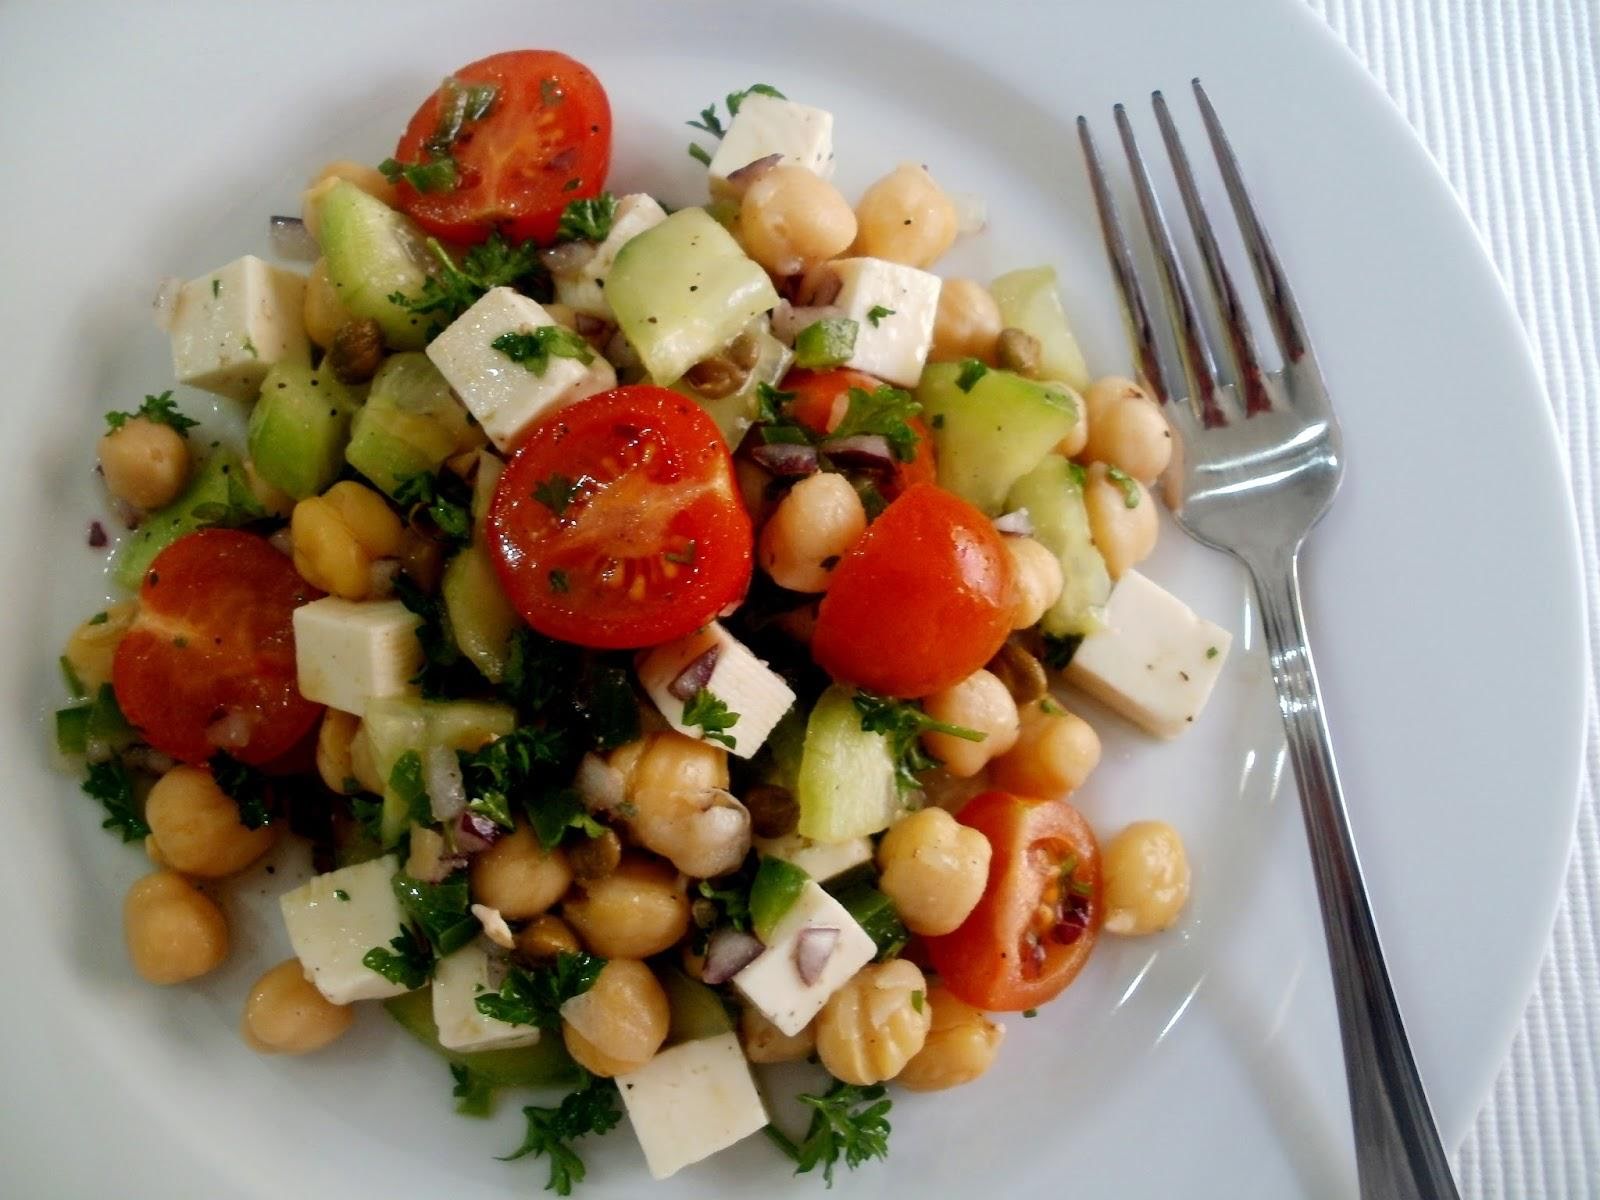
920	602
1040	914
617	523
823	397
545	141
214	639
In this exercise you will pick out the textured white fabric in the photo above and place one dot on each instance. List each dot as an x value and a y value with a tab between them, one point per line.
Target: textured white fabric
1504	94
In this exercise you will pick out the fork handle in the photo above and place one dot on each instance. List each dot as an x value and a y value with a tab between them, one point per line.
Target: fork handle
1398	1153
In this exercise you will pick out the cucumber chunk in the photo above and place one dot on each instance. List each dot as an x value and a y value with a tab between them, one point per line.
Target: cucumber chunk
737	411
481	618
777	886
299	428
1029	301
846	781
1053	495
694	1010
410	423
989	437
875	913
219	494
397	724
543	1064
374	252
683	290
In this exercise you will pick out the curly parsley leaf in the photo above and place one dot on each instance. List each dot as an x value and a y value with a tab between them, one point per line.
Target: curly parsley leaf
446	500
971	371
456	287
903	722
406	962
555	812
506	767
556	492
110	783
440	910
847	1122
405	781
725	901
534	997
247	786
436	173
711	123
592	1109
474	1094
887	411
711	714
771	403
162	410
587	220
535	348
442	662
877	313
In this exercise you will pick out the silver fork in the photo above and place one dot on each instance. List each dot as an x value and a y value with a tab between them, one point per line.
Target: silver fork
1259	463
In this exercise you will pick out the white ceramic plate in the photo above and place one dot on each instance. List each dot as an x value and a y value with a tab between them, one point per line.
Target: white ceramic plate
1443	590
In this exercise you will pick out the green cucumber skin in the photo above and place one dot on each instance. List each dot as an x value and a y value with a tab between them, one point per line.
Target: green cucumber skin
299	429
694	1010
409	425
987	438
543	1064
219	494
398	724
1029	300
481	618
846	785
374	252
737	411
777	886
1054	500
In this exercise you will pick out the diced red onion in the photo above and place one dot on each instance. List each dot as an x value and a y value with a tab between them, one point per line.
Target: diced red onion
165	302
788	319
696	675
972	212
232	731
282	541
820	286
97	534
1017	522
739	180
382	575
590	326
441	775
812	950
1068	930
148	758
728	952
473	832
291	239
786	458
568	258
862	450
599	785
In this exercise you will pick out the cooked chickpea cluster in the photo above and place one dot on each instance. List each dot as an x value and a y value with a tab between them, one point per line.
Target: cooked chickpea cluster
339	535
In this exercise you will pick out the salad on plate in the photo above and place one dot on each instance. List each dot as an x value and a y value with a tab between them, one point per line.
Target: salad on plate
649	617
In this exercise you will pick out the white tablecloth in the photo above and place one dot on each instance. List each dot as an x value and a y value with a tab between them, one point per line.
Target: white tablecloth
1504	94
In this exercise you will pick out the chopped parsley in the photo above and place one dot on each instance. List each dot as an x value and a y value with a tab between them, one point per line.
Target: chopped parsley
877	313
437	173
100	618
918	999
902	722
216	288
110	783
247	786
825	343
1129	486
534	349
456	287
971	371
559	582
439	910
1211	651
725	901
711	714
405	781
886	411
460	104
770	403
592	1109
341	894
162	410
406	962
588	220
534	997
847	1122
1058	651
556	493
1030	1013
685	556
446	500
1047	705
474	1094
554	812
441	657
712	124
699	153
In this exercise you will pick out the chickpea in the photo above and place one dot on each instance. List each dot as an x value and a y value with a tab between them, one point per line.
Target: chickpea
338	534
544	937
810	530
334	764
1130	432
791	219
519	876
324	312
197	828
764	1042
1055	753
427	854
145	463
962	1044
1145	871
638	910
92	648
174	932
362	764
1078	436
875	1024
620	1022
1110	390
934	869
906	218
967	323
369	179
1124	533
682	810
285	1014
979	702
1036	580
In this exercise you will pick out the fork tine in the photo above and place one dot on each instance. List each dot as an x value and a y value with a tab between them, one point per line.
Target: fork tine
1135	311
1281	307
1192	348
1247	365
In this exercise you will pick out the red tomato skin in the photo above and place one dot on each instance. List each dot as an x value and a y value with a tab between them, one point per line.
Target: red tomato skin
920	602
215	635
981	961
515	178
688	495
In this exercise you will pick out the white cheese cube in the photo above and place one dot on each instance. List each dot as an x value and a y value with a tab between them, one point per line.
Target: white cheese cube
750	688
229	326
766	126
772	981
458	980
334	919
1154	661
904	300
820	860
348	652
504	395
584	289
690	1101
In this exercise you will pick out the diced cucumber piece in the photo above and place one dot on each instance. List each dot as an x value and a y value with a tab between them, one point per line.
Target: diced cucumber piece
72	729
825	343
989	437
846	785
299	428
410	423
787	744
1029	301
543	1064
875	913
374	252
481	618
694	1011
490	468
737	411
1053	495
777	886
683	290
219	494
397	724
